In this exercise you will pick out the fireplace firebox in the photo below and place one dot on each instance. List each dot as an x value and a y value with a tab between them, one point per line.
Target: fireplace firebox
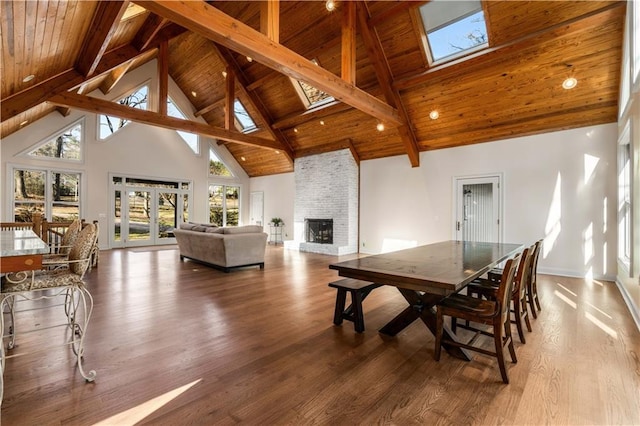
319	231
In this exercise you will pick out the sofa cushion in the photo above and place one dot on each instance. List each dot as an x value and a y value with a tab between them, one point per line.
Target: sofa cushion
187	226
214	230
248	229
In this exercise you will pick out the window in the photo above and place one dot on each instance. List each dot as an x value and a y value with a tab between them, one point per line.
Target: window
217	167
311	96
190	139
624	198
244	122
54	194
453	28
109	125
635	36
67	145
224	205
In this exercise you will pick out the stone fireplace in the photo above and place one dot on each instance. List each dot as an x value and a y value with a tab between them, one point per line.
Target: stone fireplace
326	194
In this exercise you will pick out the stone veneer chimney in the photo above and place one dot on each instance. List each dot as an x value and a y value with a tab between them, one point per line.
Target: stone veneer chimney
327	188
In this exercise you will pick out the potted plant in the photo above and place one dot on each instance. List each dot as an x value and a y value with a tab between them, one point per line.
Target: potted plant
276	221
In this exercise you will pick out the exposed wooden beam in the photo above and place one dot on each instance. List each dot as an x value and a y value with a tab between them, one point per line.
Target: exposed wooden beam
255	101
21	101
100	106
320	111
215	25
482	57
148	31
114	77
349	42
103	25
270	19
385	79
163	77
229	99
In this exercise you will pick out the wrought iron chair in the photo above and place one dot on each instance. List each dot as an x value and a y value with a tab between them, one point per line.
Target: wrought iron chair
61	251
67	283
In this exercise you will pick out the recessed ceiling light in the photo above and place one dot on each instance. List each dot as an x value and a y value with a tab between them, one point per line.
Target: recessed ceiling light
434	115
24	122
330	5
569	83
224	74
194	94
243	159
249	58
380	127
322	122
295	130
28	78
277	152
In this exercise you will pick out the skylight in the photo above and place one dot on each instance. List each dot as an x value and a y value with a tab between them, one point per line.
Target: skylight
311	96
243	118
453	28
190	139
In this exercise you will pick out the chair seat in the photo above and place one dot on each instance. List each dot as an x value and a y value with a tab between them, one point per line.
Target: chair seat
42	280
468	304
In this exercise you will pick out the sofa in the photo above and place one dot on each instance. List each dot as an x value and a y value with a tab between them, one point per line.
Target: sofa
223	248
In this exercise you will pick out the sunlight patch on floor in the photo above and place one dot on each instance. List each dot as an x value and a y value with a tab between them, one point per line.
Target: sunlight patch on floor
565	299
611	332
138	413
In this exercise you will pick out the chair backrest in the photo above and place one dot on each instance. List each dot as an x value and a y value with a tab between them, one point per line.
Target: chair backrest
81	249
523	274
70	236
533	266
505	289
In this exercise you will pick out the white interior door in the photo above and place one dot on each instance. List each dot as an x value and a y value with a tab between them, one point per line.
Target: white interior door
478	209
257	208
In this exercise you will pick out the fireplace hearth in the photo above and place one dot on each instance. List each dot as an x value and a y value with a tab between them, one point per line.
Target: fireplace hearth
319	231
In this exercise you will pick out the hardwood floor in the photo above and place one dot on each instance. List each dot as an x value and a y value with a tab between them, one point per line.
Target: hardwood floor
179	343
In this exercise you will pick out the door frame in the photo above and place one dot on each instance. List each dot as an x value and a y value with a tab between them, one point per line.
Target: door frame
457	183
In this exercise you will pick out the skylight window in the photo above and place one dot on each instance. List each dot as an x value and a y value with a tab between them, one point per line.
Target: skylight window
190	139
109	125
311	96
66	145
217	167
243	119
453	29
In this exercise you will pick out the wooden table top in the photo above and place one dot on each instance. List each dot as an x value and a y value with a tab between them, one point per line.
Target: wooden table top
441	268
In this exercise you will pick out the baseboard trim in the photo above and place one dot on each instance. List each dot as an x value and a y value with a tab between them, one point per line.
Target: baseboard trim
573	274
633	309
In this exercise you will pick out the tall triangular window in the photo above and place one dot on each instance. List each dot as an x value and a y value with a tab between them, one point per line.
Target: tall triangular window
310	96
453	29
191	139
137	99
217	167
66	145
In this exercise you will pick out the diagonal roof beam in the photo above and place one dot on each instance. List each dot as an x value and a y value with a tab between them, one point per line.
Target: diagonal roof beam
215	25
22	101
103	25
254	99
385	79
100	106
148	31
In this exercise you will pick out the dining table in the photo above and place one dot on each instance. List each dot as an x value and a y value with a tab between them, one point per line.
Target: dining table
426	274
21	250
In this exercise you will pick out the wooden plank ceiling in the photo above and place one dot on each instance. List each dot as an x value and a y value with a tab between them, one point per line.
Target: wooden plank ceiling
370	59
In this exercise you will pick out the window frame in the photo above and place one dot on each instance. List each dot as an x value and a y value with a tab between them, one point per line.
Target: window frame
224	185
625	197
48	201
146	84
297	85
238	122
424	37
81	122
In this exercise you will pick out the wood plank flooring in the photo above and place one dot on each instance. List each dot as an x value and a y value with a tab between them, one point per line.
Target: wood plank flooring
180	343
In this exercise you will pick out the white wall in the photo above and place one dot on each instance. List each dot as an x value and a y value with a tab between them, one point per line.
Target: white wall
279	195
398	202
135	150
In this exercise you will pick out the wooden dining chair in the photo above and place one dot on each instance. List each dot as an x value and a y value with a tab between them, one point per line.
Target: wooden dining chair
493	313
488	288
532	285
